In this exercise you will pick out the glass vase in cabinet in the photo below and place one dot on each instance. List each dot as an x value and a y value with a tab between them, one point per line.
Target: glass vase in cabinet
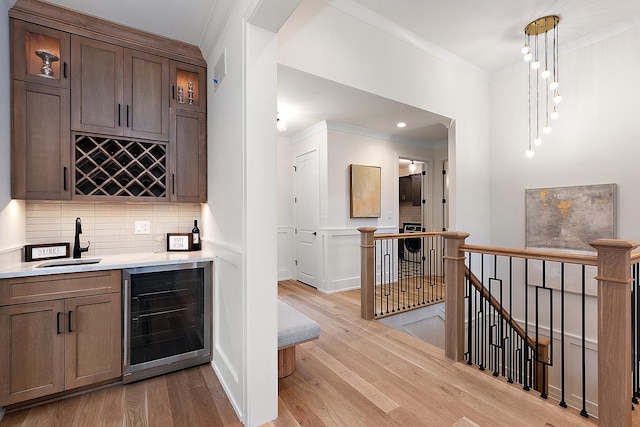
40	54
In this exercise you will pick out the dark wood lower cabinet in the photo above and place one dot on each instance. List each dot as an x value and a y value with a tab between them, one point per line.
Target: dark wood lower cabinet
63	342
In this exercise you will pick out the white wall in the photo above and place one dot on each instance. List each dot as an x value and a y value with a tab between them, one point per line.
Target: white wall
11	212
595	140
338	147
241	212
323	41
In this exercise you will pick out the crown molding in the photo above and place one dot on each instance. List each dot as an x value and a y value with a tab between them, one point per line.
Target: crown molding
383	24
385	136
218	19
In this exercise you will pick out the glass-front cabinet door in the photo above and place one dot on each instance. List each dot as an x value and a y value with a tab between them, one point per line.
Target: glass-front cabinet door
188	86
40	54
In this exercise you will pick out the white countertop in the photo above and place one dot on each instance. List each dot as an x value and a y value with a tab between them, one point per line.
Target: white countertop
107	262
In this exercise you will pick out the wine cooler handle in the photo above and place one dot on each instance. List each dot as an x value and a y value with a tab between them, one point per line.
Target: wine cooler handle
64	178
58	332
119	115
127	318
70	330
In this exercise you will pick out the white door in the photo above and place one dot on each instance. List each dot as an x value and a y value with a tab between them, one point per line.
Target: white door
307	206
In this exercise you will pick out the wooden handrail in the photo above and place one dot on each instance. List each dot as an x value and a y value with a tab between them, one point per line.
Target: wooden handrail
585	259
389	236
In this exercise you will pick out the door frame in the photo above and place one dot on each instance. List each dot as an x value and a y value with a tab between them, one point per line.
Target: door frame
296	222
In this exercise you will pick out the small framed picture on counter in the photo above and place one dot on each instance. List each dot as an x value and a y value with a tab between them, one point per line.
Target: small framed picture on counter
179	242
46	251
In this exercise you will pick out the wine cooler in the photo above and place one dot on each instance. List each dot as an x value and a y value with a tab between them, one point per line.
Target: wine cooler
167	319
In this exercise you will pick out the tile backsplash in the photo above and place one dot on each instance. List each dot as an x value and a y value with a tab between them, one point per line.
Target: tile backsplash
109	226
409	213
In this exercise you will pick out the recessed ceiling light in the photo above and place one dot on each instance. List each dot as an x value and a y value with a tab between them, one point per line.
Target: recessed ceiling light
401	124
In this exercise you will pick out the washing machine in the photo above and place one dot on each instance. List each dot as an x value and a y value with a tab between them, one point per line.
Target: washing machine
410	250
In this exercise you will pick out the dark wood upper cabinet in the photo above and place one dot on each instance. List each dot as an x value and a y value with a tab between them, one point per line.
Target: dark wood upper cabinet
405	189
90	86
416	189
97	99
146	95
41	146
189	156
117	91
188	86
40	54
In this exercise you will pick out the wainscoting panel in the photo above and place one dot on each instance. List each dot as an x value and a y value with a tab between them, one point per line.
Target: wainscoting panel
286	242
341	259
228	323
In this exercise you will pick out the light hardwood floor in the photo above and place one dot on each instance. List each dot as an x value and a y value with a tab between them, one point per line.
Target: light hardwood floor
358	373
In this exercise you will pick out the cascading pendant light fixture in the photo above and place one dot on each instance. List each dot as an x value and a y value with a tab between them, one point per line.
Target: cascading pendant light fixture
540	51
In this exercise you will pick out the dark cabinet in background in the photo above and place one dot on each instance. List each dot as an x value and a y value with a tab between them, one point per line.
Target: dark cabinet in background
411	189
416	189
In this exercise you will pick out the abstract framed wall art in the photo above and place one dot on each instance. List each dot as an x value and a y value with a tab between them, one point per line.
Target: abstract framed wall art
365	191
570	217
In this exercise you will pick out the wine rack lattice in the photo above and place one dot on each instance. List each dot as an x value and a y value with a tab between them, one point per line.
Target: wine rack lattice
117	167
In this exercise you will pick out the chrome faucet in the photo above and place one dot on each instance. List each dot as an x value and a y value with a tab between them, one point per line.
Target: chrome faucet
77	249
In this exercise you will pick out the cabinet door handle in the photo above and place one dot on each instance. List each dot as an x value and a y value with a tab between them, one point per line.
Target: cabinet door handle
70	330
173	91
64	69
119	115
58	332
173	183
127	115
64	178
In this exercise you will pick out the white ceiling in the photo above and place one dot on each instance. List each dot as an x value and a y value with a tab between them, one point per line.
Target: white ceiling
484	36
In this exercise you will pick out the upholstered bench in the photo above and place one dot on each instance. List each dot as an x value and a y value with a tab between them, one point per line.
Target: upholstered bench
293	328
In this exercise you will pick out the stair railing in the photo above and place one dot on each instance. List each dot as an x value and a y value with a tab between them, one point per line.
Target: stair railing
400	272
536	287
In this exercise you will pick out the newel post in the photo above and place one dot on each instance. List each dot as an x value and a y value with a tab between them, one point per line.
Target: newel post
454	294
367	271
614	331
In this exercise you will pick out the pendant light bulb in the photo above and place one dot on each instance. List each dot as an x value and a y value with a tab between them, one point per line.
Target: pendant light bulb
527	57
537	141
535	65
525	49
545	73
529	153
412	167
554	85
554	114
557	99
546	128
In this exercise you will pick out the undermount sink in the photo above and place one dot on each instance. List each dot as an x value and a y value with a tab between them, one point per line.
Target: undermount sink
67	262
